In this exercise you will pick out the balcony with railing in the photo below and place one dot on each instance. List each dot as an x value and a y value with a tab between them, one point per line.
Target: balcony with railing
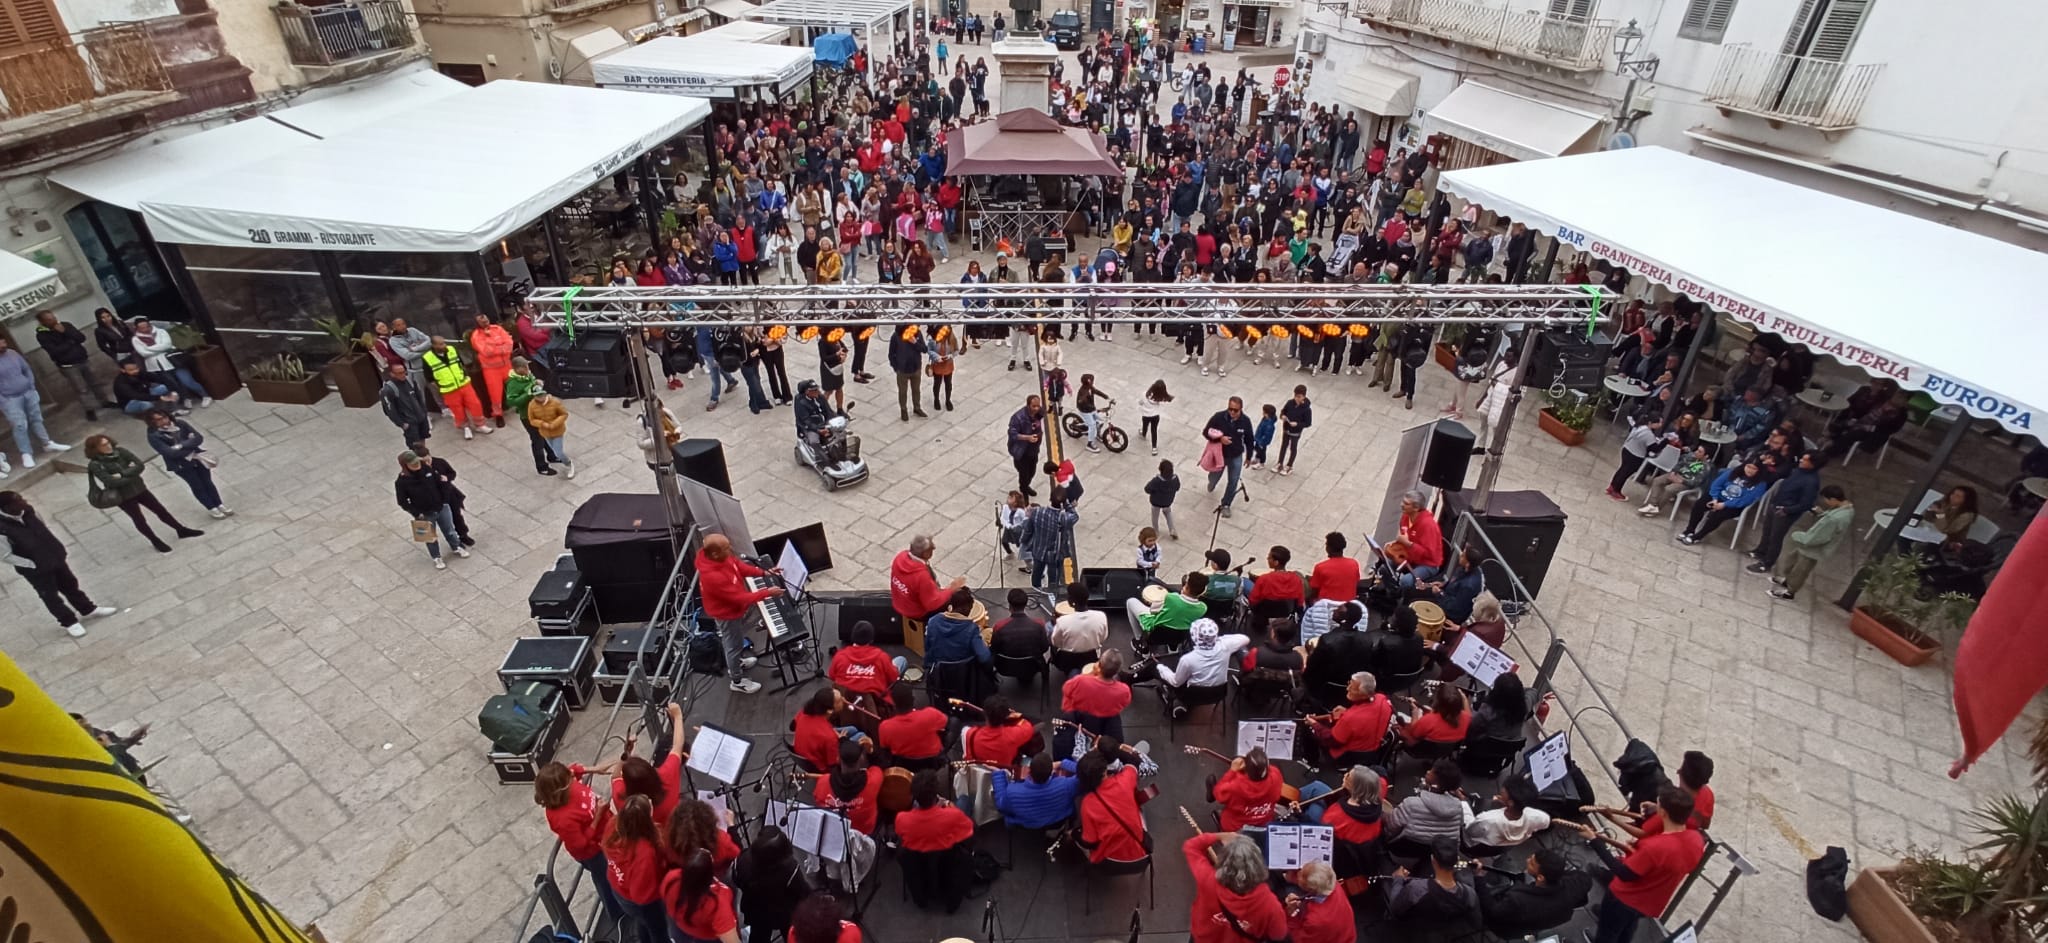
1782	89
102	72
1575	45
344	33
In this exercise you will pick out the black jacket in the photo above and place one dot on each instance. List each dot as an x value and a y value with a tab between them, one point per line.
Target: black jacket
1392	655
1302	415
64	343
904	356
401	401
1162	490
1239	431
116	340
1338	655
422	492
1020	637
132	389
29	537
811	414
1522	909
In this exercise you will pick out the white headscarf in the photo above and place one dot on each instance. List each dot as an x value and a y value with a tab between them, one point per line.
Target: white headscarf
1203	632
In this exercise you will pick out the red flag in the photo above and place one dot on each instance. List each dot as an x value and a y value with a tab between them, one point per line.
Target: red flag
2003	659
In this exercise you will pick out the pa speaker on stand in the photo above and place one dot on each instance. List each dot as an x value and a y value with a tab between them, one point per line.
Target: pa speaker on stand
703	461
1449	455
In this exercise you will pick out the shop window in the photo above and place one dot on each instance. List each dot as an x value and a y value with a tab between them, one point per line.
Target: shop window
261	290
431	290
124	261
1706	20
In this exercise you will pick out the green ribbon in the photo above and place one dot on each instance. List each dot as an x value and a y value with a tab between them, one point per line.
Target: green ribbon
569	309
1592	311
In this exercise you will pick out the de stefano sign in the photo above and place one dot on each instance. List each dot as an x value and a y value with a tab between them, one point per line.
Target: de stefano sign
2015	416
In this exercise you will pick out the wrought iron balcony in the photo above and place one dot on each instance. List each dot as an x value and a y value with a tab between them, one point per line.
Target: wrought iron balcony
107	68
1781	89
344	32
1574	45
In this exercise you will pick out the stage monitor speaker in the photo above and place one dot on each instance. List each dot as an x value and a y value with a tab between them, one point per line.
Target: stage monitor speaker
589	352
1450	452
703	461
1526	526
871	607
583	384
810	545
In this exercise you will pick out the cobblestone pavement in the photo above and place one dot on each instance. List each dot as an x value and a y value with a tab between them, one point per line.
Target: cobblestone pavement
312	683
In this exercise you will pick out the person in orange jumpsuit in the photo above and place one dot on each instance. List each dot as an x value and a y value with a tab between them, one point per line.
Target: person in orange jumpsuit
493	346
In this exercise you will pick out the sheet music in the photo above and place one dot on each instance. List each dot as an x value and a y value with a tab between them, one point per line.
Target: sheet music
794	573
818	832
1288	847
719	755
716	801
1276	736
1480	660
1547	760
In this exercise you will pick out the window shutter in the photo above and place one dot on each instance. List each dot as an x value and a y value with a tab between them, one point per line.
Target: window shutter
23	22
1572	9
1719	12
1838	28
1706	20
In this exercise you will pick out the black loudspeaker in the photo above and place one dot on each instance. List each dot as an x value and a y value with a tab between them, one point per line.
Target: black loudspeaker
1450	451
874	608
590	352
583	384
1567	357
703	461
1525	526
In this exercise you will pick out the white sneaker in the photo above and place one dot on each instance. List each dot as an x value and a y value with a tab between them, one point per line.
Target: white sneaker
599	401
572	470
467	434
1185	359
487	429
745	686
224	509
1220	374
1155	452
1205	371
205	401
440	564
56	447
75	630
748	661
4	469
216	513
101	611
462	552
27	460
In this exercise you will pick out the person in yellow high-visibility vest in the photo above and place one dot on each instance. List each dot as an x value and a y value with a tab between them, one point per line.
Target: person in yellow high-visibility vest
444	364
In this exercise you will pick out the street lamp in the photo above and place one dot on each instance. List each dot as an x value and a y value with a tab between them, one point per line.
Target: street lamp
1626	40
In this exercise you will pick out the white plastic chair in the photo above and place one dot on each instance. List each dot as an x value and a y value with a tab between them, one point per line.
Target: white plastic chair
1754	513
1678	500
1983	531
1882	451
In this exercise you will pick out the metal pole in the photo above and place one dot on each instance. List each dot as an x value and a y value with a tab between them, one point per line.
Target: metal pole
1549	262
1489	469
1908	506
650	201
710	155
558	257
1685	368
662	459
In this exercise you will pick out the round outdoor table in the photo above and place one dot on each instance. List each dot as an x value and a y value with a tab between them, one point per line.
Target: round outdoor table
1824	400
1717	436
1917	533
1625	388
2038	487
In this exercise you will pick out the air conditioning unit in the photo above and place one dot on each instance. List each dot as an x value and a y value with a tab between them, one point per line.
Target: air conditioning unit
1314	42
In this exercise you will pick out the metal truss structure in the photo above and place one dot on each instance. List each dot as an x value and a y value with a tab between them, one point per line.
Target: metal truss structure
1255	306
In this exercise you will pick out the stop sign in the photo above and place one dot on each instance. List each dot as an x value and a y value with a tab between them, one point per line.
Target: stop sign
1280	78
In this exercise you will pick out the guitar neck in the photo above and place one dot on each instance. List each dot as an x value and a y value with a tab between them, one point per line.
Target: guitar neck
1204	751
1185	816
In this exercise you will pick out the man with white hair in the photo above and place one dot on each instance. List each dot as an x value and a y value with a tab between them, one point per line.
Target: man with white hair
914	591
1317	913
1206	664
1354	732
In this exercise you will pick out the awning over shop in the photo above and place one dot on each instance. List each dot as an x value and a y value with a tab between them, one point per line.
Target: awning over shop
24	284
584	43
729	9
747	31
1520	127
843	14
707	68
417	181
1938	309
1378	90
126	178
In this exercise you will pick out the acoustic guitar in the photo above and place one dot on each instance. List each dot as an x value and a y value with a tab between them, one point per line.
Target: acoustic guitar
1288	793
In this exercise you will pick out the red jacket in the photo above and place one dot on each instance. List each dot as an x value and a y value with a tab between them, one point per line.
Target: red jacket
744	244
1258	912
723	586
861	809
997	745
935	829
913	734
1276	585
816	740
581	822
1247	801
1349	828
912	590
1325	921
1111	824
635	870
864	669
1089	694
1362	727
713	915
1660	863
1335	578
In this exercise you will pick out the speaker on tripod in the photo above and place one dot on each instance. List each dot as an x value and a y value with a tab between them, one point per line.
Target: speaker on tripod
703	461
1448	456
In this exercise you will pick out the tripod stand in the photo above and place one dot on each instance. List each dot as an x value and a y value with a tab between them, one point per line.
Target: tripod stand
1216	515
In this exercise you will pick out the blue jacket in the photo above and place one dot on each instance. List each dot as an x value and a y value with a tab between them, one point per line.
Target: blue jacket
1264	435
1021	424
947	639
1734	493
1797	492
727	255
1026	804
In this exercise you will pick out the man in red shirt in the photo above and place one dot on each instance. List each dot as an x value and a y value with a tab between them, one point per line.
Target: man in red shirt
1360	726
1421	539
1645	881
912	735
913	591
722	584
1001	738
1318	914
1336	578
933	833
1095	699
1247	792
1112	827
862	669
1278	583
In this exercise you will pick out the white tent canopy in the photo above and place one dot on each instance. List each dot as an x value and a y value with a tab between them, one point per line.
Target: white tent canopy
24	284
127	177
747	31
828	14
1518	126
707	68
453	175
1938	309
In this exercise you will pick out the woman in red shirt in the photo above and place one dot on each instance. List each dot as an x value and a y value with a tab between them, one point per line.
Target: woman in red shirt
1247	791
935	832
816	741
635	865
911	737
1095	698
999	741
699	906
695	827
1447	720
851	788
577	818
1112	827
1355	823
1319	914
1233	902
662	785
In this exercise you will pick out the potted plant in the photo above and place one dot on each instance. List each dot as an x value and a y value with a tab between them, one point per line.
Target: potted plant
210	364
1896	617
354	372
1568	415
284	379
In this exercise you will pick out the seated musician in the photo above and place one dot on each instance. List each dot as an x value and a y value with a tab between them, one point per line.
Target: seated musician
1355	820
934	834
1458	591
1421	542
1339	653
1233	901
1275	650
1446	900
1512	823
863	669
1021	635
1247	792
818	920
1448	719
817	740
1503	711
951	636
852	787
1001	737
914	592
1112	827
1486	621
1204	665
1095	699
1224	586
1078	632
1279	584
1436	812
1355	731
1168	624
1644	882
911	735
1394	650
1039	798
1694	771
1548	898
1317	913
